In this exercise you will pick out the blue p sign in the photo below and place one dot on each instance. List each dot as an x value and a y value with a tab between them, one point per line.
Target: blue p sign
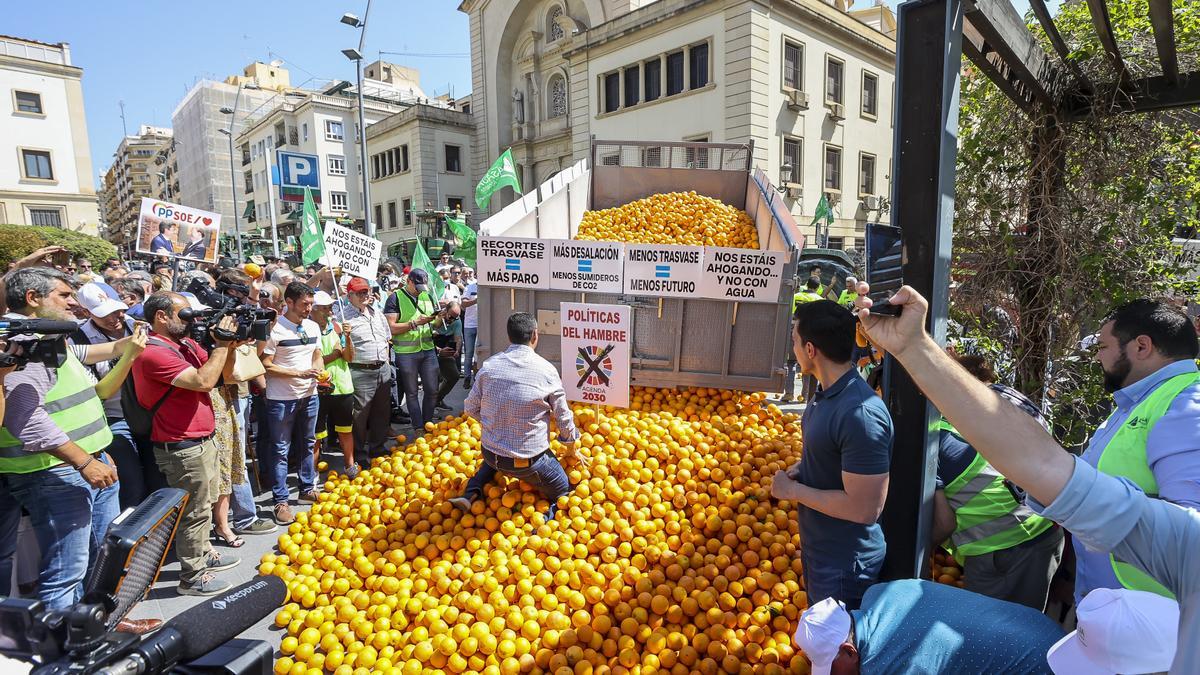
299	170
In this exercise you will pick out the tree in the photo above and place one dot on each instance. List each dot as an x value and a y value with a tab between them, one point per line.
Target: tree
1058	221
18	241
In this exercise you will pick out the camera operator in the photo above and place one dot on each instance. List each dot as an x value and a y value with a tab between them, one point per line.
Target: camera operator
173	380
52	458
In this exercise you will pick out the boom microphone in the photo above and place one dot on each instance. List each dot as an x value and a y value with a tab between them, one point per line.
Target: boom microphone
44	326
204	627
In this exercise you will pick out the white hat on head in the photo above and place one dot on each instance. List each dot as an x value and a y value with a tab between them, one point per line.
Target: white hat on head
97	302
823	629
1120	631
322	299
193	301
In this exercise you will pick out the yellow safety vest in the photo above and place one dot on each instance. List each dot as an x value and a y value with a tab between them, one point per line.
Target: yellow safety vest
420	338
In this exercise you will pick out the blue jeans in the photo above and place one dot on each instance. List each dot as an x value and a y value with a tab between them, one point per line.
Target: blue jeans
469	337
245	512
10	519
789	378
70	519
424	364
288	423
137	469
544	473
847	581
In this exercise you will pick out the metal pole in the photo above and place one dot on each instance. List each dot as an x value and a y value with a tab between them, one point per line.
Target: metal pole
368	226
271	201
237	227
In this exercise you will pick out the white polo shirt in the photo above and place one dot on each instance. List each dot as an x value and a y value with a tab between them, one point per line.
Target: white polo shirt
292	347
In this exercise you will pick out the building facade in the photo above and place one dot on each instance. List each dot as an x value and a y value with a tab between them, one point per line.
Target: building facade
809	84
46	160
420	163
133	175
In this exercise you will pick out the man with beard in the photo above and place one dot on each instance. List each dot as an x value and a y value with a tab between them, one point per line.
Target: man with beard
1147	350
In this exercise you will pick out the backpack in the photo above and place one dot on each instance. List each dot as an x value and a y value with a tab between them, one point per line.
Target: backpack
139	419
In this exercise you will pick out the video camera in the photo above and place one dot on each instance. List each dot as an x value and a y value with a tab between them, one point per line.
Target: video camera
82	639
253	322
41	341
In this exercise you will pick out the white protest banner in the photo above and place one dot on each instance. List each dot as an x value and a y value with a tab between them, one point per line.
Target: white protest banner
667	271
742	274
178	231
587	266
512	262
596	353
354	252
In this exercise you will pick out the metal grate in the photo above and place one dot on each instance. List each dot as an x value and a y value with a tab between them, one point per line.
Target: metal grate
681	155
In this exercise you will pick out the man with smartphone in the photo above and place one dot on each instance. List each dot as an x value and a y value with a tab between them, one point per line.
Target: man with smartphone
410	311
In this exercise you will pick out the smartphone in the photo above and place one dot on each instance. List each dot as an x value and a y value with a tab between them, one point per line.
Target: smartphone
885	266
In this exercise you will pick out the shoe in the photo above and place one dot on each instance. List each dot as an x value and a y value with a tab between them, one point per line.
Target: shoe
215	561
401	418
442	406
139	626
308	497
283	515
259	526
205	584
352	471
786	399
467	384
462	503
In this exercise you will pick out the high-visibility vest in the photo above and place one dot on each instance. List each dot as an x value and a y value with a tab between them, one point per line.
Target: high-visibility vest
803	297
339	370
420	338
847	298
1125	456
74	408
987	515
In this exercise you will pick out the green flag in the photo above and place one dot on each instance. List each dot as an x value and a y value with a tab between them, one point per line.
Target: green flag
503	172
466	239
421	260
825	213
312	238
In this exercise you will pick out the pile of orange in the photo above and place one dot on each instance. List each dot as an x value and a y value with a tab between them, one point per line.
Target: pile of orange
668	557
945	570
672	218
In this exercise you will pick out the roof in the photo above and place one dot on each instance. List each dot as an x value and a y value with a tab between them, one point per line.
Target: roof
58	45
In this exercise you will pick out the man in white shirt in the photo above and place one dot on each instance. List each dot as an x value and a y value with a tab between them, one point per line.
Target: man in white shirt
451	292
469	304
293	361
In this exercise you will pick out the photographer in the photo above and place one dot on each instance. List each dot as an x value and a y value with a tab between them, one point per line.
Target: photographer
173	380
51	446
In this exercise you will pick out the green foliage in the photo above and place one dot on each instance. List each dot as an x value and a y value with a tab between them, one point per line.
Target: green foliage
18	241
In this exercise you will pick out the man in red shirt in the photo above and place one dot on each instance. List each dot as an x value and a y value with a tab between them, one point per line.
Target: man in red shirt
173	379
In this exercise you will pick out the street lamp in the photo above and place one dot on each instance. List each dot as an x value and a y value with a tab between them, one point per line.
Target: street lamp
232	112
356	55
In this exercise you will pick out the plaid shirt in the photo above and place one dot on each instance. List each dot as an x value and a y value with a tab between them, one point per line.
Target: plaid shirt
514	396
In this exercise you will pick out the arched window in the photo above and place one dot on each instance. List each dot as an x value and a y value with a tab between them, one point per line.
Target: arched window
558	96
553	30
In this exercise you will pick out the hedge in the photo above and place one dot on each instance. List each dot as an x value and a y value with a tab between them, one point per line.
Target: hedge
18	241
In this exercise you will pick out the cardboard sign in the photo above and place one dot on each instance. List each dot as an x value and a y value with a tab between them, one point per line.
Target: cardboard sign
178	231
586	266
596	353
513	263
664	271
741	274
354	252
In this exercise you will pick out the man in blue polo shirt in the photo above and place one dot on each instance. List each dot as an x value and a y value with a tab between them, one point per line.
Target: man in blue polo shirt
841	481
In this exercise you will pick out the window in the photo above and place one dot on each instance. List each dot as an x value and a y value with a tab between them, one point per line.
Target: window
339	201
866	174
553	30
379	216
633	85
698	66
674	73
611	91
558	97
304	131
248	179
406	207
375	166
37	164
792	152
833	168
870	94
834	71
793	65
838	243
403	151
337	165
28	102
46	217
453	163
391	215
334	131
454	203
466	108
852	244
653	80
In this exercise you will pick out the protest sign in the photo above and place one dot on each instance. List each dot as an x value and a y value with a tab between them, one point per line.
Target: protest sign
513	263
354	252
586	266
664	271
742	274
177	231
596	353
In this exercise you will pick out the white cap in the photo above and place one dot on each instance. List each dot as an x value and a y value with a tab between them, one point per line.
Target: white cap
193	301
1120	631
823	629
97	302
850	281
322	299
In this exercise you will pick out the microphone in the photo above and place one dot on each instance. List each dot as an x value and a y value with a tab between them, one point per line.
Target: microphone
46	326
204	627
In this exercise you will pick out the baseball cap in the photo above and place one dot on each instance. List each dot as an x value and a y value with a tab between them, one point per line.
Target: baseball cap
822	630
358	285
322	299
98	302
420	279
1120	631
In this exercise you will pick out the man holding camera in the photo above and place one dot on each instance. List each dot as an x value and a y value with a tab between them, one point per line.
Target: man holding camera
173	380
410	311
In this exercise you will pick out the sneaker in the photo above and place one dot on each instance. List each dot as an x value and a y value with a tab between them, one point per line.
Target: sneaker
283	514
308	497
441	405
467	384
215	561
462	503
259	526
352	471
786	399
401	418
205	584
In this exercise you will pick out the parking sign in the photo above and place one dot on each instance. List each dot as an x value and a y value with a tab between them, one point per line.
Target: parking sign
298	171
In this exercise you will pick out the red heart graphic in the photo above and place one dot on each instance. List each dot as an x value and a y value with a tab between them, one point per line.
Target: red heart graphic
207	221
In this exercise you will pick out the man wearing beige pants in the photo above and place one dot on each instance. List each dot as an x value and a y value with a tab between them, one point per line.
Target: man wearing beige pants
173	378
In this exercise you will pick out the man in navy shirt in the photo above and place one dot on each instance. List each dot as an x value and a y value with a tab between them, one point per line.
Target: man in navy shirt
841	482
